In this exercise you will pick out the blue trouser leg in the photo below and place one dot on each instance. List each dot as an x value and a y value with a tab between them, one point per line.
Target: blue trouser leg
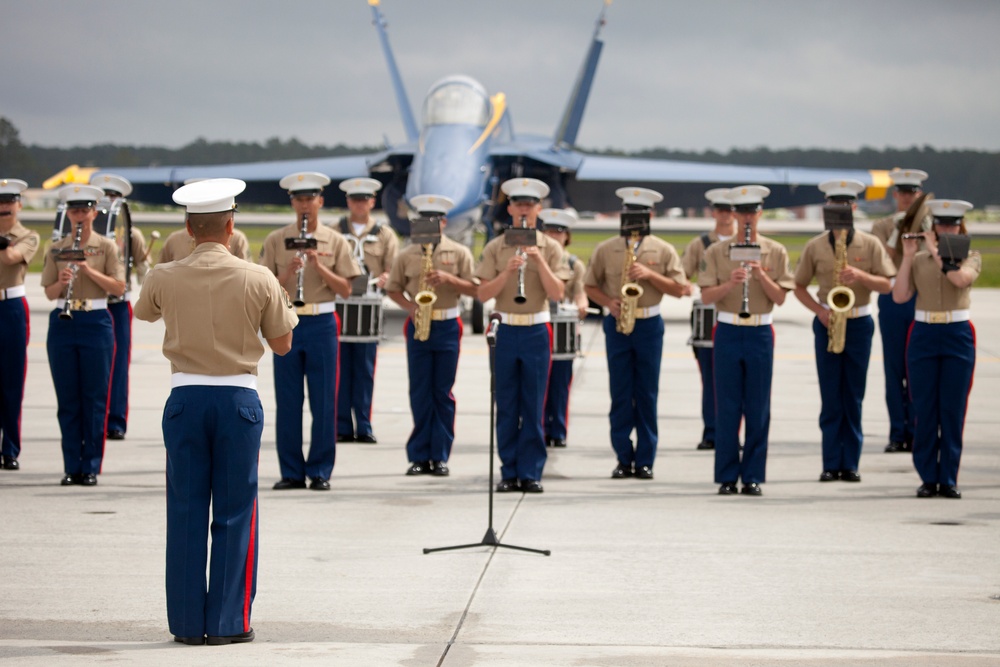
704	357
212	437
81	353
621	383
941	362
647	350
894	321
358	366
121	315
289	396
345	417
557	401
523	357
744	361
321	379
432	366
842	380
15	325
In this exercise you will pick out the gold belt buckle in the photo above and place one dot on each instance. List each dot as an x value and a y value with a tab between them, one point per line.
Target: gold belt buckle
520	319
751	321
306	309
438	315
938	317
79	304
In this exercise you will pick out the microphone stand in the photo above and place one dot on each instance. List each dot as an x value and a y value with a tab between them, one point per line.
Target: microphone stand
490	539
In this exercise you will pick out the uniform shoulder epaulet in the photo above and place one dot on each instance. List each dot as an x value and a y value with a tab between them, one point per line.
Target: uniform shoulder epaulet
706	240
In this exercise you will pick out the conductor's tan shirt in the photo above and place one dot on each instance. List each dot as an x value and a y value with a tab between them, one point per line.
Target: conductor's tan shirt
608	260
213	305
718	268
332	251
101	254
448	257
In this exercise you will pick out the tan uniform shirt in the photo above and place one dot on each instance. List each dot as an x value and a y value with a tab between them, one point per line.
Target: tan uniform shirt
180	244
333	252
865	252
494	260
26	242
934	291
606	265
448	257
381	252
213	304
694	254
718	268
577	272
102	255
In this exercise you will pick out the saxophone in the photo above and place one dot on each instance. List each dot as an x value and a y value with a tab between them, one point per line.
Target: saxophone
425	297
630	291
840	299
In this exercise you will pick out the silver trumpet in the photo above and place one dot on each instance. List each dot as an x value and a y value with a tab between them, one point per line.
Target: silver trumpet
301	273
520	297
66	313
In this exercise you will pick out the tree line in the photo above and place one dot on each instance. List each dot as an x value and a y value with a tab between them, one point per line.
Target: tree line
959	174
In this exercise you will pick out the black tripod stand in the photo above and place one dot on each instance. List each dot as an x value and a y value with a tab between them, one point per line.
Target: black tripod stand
490	539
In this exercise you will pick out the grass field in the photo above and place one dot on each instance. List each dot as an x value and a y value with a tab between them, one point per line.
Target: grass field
582	246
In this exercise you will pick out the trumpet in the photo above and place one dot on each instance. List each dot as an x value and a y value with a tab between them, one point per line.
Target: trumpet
66	313
520	297
301	273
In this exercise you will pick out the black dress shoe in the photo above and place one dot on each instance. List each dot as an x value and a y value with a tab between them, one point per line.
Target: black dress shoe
419	468
90	479
706	444
548	441
366	438
241	638
644	472
345	437
752	489
829	476
949	491
850	476
621	472
10	464
115	434
69	480
531	486
440	469
507	486
190	641
286	484
728	489
319	484
927	490
895	447
558	442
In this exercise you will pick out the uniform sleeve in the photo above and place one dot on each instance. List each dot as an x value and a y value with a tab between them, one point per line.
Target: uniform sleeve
806	268
397	281
464	268
138	248
672	267
487	269
391	242
556	262
50	272
268	256
782	272
147	308
881	262
345	266
113	265
27	245
690	258
974	263
576	283
278	316
708	273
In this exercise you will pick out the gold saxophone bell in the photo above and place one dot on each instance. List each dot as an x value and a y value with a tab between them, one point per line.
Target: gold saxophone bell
840	299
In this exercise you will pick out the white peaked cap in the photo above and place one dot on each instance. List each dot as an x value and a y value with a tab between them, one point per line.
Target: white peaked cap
557	217
720	196
107	181
911	177
525	187
639	196
432	204
212	195
71	194
360	186
748	194
948	208
304	180
844	187
12	186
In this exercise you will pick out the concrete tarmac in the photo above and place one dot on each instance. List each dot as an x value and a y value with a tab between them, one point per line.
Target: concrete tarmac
642	573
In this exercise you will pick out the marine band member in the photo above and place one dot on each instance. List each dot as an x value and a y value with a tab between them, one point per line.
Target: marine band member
18	246
432	363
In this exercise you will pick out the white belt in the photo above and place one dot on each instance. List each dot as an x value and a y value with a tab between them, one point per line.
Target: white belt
646	313
446	313
84	304
941	316
753	321
12	292
524	319
859	311
245	380
316	308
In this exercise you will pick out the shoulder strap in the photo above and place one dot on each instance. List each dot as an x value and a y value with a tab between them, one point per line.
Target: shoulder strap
706	240
344	228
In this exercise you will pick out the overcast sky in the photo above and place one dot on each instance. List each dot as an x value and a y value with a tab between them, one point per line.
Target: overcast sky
692	75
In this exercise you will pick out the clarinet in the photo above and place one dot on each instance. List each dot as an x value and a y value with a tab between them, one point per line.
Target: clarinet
300	278
745	306
66	314
520	297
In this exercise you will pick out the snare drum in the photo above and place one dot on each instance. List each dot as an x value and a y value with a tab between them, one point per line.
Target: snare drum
702	324
565	334
360	318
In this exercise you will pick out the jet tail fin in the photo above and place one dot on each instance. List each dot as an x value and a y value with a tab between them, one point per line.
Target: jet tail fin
405	111
569	126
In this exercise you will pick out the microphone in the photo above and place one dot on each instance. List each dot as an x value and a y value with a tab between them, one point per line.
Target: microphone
491	330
